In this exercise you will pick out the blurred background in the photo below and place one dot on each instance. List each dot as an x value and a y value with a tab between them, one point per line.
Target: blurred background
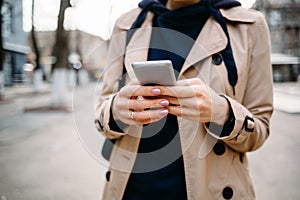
53	53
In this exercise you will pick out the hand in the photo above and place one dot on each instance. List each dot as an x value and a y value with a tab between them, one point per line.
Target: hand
136	104
193	99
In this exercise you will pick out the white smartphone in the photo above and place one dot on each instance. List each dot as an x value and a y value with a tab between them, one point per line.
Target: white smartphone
157	72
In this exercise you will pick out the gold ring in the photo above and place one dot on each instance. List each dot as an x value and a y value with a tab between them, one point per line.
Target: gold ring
132	115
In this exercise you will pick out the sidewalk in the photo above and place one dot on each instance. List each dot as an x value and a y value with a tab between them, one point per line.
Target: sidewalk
287	97
49	154
24	90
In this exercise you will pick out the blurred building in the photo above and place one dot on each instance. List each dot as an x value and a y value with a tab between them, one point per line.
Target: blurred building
284	23
91	49
14	41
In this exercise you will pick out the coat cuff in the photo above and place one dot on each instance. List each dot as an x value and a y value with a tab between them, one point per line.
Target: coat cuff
103	117
116	126
243	122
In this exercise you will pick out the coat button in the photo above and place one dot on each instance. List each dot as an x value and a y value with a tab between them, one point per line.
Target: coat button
107	176
227	193
249	124
219	148
217	59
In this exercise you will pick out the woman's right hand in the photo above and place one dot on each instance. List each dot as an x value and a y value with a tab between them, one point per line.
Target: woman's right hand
136	104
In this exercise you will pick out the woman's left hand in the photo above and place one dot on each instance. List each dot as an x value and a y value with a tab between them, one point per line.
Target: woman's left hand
193	99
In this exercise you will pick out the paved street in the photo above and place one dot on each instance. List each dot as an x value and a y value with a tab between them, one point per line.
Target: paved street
55	155
42	154
275	166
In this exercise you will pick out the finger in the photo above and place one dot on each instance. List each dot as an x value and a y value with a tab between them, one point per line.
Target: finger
184	91
149	91
172	100
192	103
137	104
184	88
149	116
190	81
137	90
189	113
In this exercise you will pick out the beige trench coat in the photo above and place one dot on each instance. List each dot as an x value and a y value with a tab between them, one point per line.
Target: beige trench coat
215	168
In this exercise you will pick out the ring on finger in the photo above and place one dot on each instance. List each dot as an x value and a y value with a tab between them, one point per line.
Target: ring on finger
132	113
140	98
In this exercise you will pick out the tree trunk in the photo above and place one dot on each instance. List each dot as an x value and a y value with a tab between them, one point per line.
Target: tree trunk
34	40
1	55
37	72
59	68
60	49
1	39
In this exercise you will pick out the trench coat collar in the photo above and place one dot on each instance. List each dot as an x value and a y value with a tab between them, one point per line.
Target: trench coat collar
211	39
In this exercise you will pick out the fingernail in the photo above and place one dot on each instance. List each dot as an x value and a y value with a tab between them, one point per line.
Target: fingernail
164	112
164	103
155	91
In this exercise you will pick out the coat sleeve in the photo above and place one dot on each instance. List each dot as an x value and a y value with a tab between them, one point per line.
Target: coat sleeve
252	114
111	76
110	82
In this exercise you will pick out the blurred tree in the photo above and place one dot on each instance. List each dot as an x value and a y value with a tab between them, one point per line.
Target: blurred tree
1	39
60	49
1	53
59	68
34	40
35	61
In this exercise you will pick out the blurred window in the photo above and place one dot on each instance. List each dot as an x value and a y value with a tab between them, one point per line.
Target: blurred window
275	18
6	12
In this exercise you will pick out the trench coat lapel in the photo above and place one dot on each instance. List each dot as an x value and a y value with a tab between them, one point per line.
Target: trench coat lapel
211	40
138	47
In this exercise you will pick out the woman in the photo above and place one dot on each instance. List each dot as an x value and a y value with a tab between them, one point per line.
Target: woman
187	141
